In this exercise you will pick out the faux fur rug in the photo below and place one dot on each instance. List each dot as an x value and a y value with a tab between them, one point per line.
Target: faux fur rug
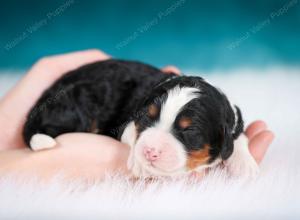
272	95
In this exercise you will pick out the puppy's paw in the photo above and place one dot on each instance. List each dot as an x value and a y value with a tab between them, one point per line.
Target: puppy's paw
241	163
243	168
41	141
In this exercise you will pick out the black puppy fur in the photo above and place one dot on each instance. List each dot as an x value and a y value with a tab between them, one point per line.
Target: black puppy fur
104	96
106	93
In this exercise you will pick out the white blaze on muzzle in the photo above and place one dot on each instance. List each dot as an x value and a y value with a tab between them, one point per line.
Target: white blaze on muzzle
157	151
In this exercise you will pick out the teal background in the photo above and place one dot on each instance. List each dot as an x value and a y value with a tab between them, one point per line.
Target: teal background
193	35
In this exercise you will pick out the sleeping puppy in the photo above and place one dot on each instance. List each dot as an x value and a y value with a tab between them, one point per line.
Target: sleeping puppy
173	124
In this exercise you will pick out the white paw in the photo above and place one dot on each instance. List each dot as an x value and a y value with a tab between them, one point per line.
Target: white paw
130	160
243	168
135	169
129	134
41	141
241	163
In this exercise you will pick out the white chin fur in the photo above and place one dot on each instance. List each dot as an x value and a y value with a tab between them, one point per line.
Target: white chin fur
41	141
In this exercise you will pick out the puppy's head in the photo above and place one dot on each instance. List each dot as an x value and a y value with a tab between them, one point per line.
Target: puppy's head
184	125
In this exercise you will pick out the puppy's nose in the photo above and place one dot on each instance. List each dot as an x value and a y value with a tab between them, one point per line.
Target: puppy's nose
151	154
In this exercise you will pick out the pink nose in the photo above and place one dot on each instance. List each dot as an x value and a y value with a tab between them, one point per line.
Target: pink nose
151	154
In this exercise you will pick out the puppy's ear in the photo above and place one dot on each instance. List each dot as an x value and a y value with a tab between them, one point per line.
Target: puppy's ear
226	144
232	129
239	123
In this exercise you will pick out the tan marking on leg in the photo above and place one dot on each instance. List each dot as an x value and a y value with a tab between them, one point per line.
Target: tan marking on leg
94	128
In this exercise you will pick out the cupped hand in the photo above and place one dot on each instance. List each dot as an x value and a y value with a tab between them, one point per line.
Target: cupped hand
259	140
87	148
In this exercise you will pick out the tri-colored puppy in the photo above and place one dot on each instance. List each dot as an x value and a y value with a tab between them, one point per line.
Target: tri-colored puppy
173	124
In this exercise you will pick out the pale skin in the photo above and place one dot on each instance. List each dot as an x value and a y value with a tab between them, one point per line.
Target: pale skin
78	155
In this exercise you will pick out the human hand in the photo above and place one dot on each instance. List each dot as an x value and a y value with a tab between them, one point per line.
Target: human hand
116	156
259	139
91	156
16	104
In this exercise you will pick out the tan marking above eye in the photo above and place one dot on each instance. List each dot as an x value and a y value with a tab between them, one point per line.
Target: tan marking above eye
152	111
199	157
185	122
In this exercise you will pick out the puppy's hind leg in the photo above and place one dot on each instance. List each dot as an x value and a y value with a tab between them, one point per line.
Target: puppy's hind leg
41	141
241	163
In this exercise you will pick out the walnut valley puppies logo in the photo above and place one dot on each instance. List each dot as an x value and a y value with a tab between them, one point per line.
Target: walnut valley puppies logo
262	24
140	113
150	24
117	130
120	128
43	106
38	25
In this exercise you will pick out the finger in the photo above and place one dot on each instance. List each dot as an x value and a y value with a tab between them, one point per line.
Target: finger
255	128
76	59
259	144
47	70
59	64
171	69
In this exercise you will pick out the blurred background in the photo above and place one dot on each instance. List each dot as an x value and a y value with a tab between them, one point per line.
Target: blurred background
203	35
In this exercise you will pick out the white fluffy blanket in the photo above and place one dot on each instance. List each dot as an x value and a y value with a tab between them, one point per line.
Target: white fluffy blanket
272	95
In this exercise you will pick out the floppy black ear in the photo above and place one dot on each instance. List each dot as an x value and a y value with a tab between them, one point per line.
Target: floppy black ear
239	123
227	144
231	131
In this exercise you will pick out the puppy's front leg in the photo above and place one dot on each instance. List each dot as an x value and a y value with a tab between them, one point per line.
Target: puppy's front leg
241	163
129	137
